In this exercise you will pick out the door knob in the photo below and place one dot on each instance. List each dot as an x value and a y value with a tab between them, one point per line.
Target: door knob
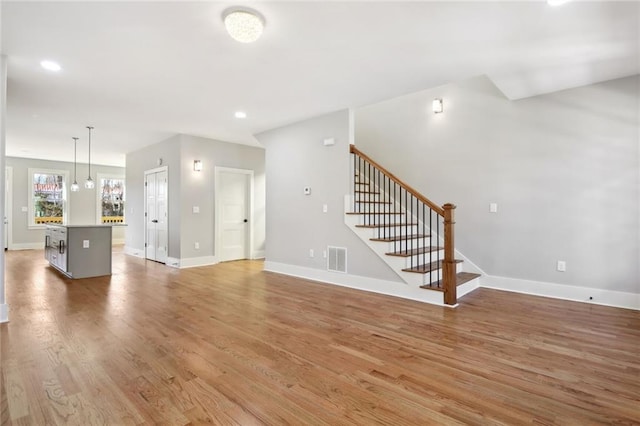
155	221
246	220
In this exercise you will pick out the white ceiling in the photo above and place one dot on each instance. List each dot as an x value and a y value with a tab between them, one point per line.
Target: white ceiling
141	72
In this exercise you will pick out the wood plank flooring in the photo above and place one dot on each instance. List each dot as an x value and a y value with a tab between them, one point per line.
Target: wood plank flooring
232	345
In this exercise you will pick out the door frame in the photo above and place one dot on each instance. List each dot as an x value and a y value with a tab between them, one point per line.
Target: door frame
8	207
144	217
218	223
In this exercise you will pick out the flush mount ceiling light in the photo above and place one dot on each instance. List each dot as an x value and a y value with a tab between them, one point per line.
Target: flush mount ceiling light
243	25
557	2
240	114
50	65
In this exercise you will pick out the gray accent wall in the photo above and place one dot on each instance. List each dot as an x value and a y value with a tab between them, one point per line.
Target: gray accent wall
167	153
82	205
188	188
295	158
563	169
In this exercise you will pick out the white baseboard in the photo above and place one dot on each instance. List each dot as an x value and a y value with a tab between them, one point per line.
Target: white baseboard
174	262
259	254
131	251
596	296
27	246
192	262
374	285
4	312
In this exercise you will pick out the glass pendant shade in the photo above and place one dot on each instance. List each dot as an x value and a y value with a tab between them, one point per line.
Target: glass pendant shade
74	186
89	183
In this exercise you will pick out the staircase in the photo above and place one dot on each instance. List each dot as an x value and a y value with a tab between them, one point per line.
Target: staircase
414	236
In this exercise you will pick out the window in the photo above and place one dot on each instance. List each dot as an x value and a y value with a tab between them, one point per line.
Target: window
48	197
110	199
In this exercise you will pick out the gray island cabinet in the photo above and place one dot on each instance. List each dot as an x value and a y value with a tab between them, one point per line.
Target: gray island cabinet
79	251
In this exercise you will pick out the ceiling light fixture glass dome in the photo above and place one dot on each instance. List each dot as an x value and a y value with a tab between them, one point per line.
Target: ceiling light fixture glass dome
243	25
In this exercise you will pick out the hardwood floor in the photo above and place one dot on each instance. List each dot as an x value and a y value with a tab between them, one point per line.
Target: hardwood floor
230	344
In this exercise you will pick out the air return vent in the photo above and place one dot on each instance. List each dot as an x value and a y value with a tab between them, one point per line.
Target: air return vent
337	259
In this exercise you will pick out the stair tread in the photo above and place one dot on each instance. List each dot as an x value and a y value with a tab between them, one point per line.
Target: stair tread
461	278
428	267
413	252
400	238
385	225
368	192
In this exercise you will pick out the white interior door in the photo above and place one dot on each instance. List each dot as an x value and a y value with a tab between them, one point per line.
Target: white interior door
233	199
156	240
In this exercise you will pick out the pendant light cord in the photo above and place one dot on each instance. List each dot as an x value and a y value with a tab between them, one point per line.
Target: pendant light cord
75	159
89	127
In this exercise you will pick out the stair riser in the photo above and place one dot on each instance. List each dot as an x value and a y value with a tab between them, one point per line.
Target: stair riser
420	260
369	219
406	245
373	208
393	231
367	197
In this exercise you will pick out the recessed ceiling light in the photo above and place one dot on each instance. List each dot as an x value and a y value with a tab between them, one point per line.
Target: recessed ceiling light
240	114
50	66
557	2
243	25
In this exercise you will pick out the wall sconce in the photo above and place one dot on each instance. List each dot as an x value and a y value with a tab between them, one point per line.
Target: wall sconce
197	165
437	106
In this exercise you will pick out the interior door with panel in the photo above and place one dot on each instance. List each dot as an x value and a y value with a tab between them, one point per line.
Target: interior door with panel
156	226
234	215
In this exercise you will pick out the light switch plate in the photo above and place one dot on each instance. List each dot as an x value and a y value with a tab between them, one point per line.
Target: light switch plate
493	208
196	209
24	210
85	243
562	266
324	208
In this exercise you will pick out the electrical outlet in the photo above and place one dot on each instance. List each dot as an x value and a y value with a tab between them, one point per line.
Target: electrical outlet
196	209
310	252
562	266
493	208
324	254
325	208
196	245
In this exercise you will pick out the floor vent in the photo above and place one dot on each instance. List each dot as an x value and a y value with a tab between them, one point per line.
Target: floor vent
337	259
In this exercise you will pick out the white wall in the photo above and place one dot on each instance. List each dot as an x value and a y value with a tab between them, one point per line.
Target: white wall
187	189
563	168
295	158
81	208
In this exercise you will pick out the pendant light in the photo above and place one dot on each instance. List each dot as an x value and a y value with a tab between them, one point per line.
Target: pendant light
74	186
89	183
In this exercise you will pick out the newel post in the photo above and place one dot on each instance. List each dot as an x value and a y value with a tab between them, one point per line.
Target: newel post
449	277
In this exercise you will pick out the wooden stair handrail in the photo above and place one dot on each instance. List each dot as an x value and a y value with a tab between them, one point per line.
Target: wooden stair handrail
431	204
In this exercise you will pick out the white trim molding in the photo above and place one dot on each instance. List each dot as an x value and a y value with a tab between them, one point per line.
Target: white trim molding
258	254
131	251
4	313
374	285
28	246
193	262
597	296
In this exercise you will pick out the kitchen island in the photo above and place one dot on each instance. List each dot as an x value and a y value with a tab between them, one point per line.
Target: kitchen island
79	251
